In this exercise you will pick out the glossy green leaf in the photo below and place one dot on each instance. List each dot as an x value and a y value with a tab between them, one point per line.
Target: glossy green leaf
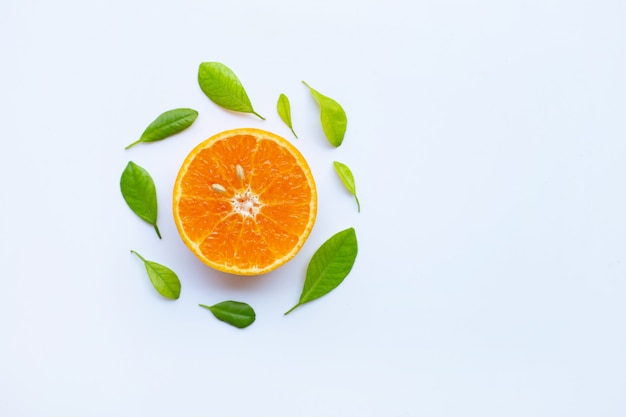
235	313
284	111
329	266
139	193
221	85
348	180
333	117
164	280
166	125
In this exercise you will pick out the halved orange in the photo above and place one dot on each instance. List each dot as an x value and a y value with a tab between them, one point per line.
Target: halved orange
245	201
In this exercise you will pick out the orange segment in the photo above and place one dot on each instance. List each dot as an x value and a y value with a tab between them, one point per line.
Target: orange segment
245	201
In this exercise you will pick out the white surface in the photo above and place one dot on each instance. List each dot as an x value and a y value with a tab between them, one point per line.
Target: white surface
488	143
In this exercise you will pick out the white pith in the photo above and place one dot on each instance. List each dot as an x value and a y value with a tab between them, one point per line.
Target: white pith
246	204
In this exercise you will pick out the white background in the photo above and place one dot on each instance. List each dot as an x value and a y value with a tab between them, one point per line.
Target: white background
488	143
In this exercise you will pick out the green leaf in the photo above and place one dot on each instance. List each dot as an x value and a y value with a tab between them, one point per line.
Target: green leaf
332	115
222	86
166	125
164	280
139	193
284	111
348	180
235	313
329	266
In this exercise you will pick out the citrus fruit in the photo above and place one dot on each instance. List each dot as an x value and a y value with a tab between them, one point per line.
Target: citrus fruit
245	201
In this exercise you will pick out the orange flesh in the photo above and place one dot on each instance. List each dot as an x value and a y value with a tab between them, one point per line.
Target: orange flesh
245	201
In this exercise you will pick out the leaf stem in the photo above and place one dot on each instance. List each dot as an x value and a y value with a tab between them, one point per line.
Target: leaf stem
292	308
258	115
358	205
133	144
138	255
157	231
